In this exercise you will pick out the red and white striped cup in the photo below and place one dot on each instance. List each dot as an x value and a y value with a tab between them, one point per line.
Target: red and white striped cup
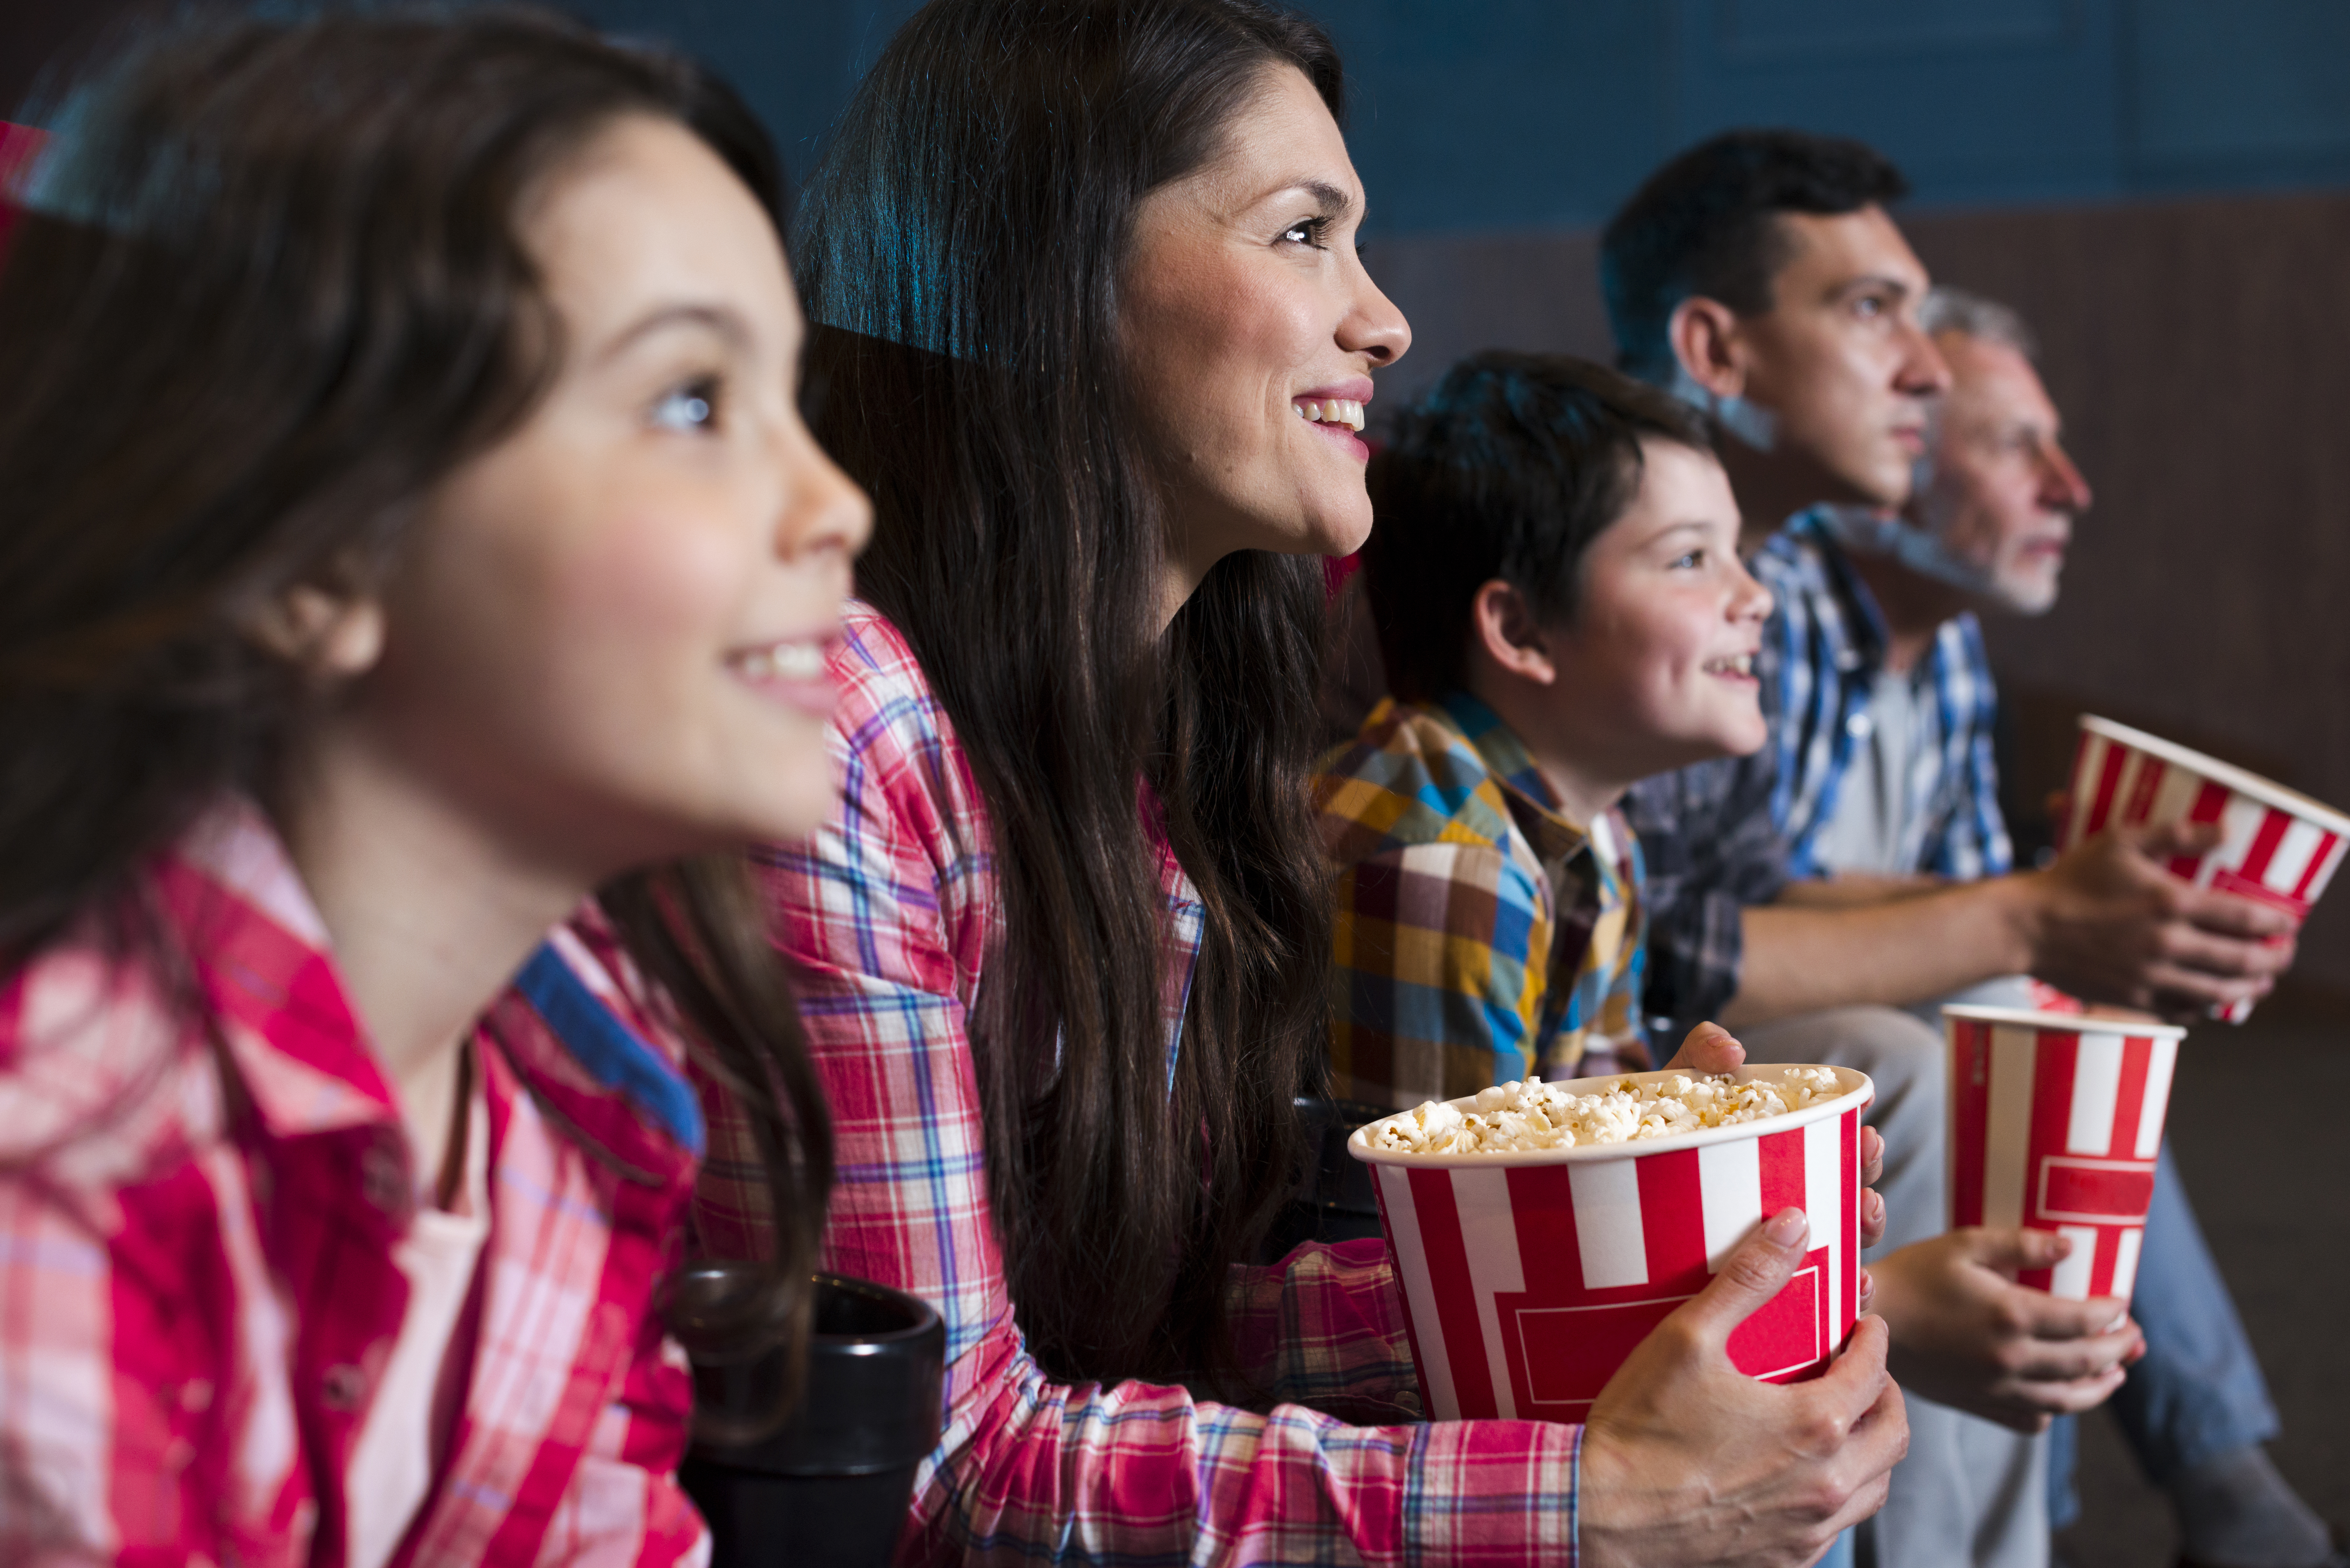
1528	1278
2278	845
2055	1119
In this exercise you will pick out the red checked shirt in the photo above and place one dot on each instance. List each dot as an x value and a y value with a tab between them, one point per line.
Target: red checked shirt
202	1178
889	915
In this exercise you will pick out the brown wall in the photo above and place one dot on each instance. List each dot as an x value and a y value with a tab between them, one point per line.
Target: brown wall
2201	352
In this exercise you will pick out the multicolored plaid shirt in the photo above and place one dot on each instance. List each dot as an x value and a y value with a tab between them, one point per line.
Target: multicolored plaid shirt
890	915
1480	933
1830	640
203	1178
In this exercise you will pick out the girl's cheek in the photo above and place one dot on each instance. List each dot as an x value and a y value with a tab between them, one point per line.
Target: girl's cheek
658	570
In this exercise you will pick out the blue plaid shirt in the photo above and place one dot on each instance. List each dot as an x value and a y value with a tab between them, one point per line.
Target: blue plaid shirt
1827	641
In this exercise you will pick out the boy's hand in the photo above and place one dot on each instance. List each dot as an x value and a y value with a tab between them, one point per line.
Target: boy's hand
1711	1048
1685	1459
1967	1335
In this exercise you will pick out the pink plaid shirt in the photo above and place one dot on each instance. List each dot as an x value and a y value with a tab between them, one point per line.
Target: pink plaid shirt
203	1176
889	915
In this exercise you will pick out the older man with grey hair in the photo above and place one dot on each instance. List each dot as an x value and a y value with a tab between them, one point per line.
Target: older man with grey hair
1885	706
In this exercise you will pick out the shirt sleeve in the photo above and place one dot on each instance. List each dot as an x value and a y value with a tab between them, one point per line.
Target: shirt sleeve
884	917
1711	849
1441	965
1970	840
1325	1327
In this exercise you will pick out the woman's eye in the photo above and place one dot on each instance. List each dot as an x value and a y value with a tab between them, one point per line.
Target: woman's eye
1308	232
687	409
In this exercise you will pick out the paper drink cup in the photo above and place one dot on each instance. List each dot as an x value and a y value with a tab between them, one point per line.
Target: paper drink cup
1528	1278
2278	845
2055	1119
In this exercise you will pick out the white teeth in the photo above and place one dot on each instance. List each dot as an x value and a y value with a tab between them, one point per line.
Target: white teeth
799	660
1741	665
1331	412
786	660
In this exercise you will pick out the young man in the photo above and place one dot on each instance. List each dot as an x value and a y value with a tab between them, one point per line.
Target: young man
1760	275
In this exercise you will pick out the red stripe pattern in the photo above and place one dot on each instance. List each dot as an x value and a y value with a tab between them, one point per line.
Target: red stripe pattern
1527	1285
2267	853
2054	1126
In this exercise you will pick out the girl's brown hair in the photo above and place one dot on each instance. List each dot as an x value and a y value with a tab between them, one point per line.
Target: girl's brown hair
268	292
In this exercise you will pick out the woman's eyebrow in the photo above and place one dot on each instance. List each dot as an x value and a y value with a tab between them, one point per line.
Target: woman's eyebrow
1334	199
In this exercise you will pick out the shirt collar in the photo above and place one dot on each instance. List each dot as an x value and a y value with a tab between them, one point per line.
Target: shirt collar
262	959
1818	528
1536	805
259	953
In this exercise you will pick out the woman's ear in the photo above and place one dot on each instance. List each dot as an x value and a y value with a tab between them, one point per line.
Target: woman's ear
1503	628
333	634
1705	339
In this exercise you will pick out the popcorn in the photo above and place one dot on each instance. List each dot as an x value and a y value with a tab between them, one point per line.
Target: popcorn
1514	1118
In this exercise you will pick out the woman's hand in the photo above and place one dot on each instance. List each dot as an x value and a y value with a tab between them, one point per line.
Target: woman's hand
1967	1335
1685	1459
1711	1048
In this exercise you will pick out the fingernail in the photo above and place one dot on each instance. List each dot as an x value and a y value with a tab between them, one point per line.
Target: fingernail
2063	1245
1787	1227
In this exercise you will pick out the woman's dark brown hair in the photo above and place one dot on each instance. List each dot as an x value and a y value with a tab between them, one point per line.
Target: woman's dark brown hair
964	242
267	292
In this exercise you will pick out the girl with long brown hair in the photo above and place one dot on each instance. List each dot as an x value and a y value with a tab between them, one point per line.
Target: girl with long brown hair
410	547
1094	332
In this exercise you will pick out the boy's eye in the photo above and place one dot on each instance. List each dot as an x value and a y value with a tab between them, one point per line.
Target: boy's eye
690	407
1689	560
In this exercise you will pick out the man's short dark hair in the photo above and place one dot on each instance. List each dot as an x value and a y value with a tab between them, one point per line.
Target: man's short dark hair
1510	468
1707	223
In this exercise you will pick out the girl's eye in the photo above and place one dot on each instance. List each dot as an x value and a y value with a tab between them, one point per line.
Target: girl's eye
688	408
1308	232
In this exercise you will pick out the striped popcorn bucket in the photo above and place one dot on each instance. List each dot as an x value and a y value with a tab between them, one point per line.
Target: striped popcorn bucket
2055	1119
1528	1278
2279	846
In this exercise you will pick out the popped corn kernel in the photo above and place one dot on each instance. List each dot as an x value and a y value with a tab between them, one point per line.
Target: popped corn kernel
1509	1118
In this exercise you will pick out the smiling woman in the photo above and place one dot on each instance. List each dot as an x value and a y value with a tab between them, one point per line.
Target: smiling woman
1080	267
410	550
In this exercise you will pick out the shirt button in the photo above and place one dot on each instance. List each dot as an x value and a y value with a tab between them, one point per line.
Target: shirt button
343	1386
1858	725
195	1395
383	1176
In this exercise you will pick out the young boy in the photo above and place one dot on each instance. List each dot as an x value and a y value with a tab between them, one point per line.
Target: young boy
1561	607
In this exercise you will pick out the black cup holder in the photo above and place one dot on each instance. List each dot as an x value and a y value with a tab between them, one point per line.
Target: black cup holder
830	1489
1334	1200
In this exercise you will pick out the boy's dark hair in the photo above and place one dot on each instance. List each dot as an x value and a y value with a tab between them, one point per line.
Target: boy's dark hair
1707	223
1510	468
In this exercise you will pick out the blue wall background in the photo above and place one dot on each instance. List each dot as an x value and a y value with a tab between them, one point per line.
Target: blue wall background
1516	114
